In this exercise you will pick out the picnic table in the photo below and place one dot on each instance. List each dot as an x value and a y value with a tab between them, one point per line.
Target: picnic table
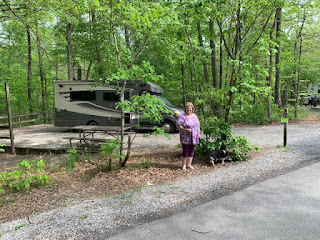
87	133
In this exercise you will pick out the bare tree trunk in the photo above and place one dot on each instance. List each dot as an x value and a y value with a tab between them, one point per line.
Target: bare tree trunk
297	76
79	73
269	78
277	80
98	45
204	63
128	151
69	50
122	91
56	68
193	56
126	33
29	70
88	70
221	63
184	97
234	56
42	77
298	80
213	56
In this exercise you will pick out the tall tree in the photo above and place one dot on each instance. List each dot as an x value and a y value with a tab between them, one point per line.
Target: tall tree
277	62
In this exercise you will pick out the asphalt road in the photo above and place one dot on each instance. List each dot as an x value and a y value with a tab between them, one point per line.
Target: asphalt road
284	207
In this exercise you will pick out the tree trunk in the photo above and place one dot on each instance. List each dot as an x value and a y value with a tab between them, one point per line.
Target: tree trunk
88	70
69	51
122	91
98	45
213	55
297	76
42	77
221	64
183	83
123	164
269	78
79	73
126	32
298	80
236	48
277	60
193	56
204	63
29	70
270	69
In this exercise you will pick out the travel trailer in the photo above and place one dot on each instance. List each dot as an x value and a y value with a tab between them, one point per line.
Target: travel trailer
312	97
86	103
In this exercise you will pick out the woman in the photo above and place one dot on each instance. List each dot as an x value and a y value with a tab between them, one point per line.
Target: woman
189	126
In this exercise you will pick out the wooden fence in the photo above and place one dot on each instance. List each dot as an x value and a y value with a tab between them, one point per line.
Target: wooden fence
27	119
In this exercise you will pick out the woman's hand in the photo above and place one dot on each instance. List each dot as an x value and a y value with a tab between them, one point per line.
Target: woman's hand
188	130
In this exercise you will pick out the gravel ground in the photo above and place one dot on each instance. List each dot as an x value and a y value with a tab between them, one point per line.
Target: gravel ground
104	217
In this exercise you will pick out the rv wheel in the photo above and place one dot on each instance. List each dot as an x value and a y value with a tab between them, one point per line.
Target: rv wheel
168	127
93	123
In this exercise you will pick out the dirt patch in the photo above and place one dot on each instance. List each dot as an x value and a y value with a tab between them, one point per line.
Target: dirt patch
85	183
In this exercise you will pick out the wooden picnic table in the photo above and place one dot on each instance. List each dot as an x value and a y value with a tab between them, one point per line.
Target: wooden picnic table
87	132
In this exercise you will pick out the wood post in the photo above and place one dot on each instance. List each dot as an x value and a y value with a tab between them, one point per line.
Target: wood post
13	149
285	117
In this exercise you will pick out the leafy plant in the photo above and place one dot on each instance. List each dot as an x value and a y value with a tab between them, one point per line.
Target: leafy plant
28	173
151	108
109	152
220	136
18	227
1	147
73	157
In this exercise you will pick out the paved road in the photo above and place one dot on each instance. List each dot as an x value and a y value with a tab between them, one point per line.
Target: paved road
285	207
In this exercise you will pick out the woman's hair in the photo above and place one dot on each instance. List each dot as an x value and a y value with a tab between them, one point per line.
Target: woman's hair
189	104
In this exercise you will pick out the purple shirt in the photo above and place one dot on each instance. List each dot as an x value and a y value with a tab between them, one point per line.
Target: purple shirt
189	122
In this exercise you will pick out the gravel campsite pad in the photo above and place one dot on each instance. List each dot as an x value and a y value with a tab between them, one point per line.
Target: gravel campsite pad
81	205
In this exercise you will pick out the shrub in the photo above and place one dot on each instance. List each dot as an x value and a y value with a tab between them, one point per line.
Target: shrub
108	151
28	173
73	157
2	147
220	136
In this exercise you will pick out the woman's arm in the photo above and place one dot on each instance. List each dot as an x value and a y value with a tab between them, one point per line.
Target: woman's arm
180	127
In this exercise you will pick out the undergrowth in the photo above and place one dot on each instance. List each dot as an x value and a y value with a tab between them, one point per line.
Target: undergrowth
27	174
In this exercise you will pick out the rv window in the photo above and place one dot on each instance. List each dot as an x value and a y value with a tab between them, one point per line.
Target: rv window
111	97
83	96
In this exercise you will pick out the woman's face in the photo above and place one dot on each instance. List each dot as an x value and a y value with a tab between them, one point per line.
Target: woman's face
188	110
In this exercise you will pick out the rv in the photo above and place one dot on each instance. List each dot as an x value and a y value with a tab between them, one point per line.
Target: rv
86	103
312	97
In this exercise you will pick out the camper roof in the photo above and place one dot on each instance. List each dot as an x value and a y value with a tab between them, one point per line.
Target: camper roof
137	86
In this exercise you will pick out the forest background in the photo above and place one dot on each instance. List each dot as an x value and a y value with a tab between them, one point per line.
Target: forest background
232	58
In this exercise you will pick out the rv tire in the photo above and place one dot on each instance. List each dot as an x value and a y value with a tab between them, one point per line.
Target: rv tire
93	123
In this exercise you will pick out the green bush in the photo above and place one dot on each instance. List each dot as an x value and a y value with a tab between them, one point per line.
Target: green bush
220	136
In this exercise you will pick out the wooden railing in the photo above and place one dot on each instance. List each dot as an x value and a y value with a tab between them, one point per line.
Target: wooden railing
21	120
